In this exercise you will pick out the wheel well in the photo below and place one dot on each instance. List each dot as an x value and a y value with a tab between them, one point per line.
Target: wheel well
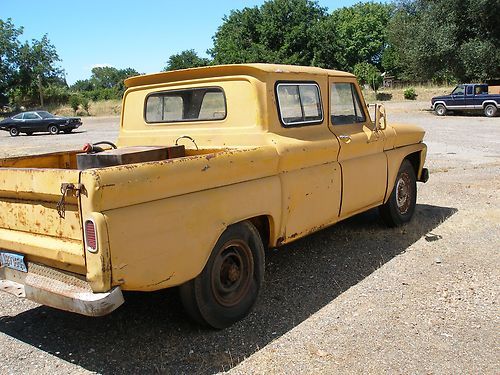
488	103
414	159
263	226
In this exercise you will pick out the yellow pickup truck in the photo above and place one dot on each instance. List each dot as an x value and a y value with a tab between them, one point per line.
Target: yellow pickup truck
213	166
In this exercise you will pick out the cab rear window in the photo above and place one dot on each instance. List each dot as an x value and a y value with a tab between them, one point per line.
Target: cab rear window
195	104
299	104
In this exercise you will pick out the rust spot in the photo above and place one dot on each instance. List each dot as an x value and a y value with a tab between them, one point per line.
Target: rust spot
205	168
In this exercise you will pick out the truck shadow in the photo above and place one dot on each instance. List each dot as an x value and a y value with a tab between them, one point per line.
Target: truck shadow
151	334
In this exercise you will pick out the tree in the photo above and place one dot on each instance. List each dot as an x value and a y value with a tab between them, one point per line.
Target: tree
279	31
352	35
37	68
105	83
368	74
9	49
184	60
446	39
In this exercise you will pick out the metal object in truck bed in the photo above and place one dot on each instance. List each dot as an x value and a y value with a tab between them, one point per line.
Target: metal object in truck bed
128	155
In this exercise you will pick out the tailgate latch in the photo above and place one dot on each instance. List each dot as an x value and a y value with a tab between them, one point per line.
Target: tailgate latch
65	189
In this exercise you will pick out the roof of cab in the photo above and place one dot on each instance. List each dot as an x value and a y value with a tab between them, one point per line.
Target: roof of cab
228	70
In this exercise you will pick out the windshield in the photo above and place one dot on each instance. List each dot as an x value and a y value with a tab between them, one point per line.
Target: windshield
45	114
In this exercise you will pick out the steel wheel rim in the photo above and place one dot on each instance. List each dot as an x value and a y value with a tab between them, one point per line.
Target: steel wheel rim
489	111
14	131
440	110
403	193
232	273
53	130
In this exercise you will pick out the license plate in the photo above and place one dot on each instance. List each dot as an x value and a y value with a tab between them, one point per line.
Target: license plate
14	261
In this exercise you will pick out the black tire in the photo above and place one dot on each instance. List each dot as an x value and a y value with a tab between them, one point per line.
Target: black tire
440	110
53	129
228	286
67	131
14	132
490	110
400	206
29	133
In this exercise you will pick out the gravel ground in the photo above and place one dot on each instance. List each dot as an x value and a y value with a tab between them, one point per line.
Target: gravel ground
353	298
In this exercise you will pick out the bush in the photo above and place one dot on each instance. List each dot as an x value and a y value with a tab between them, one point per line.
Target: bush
85	105
74	102
410	93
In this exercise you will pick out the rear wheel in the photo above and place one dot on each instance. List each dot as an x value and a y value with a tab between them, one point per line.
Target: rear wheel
29	133
14	132
53	129
67	131
440	110
400	207
490	110
228	286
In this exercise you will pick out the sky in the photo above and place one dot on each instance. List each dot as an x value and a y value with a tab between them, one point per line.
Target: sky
136	34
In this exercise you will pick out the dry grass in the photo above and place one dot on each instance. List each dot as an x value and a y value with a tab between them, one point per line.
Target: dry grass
101	108
425	93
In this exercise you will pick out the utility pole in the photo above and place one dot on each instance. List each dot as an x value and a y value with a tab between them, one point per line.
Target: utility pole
40	89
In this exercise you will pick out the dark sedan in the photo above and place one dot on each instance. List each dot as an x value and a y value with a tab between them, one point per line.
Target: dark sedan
39	121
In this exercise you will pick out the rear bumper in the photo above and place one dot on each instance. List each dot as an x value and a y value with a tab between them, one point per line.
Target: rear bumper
59	289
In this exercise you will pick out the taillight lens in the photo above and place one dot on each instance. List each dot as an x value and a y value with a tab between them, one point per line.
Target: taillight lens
90	236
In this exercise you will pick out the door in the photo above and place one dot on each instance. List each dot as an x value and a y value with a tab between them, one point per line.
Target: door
458	98
361	156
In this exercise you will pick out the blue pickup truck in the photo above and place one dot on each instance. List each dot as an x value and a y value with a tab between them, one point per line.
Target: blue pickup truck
468	97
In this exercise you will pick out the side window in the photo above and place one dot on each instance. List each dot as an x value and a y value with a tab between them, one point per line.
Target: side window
18	117
345	104
196	104
31	116
299	104
469	90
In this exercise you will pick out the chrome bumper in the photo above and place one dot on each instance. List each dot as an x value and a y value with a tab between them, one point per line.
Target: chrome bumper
59	289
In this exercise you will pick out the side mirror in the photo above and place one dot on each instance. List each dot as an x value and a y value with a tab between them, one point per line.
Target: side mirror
380	117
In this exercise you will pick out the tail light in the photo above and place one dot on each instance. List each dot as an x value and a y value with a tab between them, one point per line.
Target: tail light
90	236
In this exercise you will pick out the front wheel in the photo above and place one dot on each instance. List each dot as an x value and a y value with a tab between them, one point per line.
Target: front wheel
490	110
14	132
53	129
440	110
228	286
400	207
67	131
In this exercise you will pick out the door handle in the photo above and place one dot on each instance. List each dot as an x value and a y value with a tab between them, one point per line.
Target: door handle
345	138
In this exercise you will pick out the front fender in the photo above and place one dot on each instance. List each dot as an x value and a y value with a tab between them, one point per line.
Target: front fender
415	153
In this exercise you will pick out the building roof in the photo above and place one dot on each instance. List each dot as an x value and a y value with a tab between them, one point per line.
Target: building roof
228	70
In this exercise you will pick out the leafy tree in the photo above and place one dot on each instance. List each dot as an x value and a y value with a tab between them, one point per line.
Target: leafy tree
279	31
184	60
9	48
446	39
368	74
37	68
105	83
352	35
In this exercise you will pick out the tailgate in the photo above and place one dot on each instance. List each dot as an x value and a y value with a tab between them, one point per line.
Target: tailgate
30	223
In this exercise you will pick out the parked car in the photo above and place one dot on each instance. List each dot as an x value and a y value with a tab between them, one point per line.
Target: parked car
39	121
213	165
468	98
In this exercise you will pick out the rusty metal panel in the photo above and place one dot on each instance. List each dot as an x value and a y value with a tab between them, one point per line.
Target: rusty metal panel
60	249
40	217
